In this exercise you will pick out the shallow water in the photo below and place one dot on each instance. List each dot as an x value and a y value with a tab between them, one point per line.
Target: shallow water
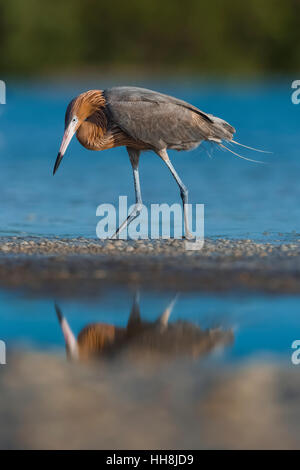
222	379
242	199
261	326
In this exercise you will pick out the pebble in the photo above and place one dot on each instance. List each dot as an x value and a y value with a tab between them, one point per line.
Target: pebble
225	249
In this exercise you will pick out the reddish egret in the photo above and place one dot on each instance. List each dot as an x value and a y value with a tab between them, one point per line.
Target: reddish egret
141	120
142	340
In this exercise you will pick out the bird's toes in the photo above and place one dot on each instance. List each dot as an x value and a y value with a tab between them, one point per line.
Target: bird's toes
189	236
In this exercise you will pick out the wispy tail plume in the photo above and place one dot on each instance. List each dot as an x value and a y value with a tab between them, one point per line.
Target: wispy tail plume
222	131
250	148
240	156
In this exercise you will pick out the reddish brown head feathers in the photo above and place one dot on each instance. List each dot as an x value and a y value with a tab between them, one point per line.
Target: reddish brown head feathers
84	105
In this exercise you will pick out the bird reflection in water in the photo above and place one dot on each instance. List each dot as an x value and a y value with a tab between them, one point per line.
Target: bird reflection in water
143	340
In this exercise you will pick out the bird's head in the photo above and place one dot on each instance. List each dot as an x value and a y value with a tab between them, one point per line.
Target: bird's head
78	111
92	340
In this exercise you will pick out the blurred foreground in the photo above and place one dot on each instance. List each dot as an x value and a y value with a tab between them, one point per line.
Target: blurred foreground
209	371
47	403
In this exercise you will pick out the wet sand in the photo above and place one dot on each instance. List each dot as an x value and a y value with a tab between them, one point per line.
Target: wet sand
78	265
48	403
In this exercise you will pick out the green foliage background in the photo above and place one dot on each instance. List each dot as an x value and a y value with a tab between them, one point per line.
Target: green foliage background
191	36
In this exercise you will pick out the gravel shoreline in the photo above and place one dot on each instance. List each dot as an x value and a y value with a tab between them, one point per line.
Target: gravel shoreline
221	265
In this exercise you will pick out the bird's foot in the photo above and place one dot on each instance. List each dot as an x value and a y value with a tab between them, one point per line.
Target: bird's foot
189	236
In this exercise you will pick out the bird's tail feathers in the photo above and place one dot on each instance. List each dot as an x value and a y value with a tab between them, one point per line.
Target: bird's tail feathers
222	132
220	129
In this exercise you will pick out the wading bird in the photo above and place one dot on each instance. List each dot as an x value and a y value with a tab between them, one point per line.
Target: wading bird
141	340
141	119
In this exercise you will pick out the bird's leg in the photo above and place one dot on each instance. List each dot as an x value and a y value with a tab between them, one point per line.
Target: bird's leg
134	156
183	192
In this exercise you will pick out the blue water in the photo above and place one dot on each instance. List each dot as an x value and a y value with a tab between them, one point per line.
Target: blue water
263	326
242	199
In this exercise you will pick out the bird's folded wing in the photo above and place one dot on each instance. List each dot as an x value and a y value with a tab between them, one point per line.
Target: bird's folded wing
156	119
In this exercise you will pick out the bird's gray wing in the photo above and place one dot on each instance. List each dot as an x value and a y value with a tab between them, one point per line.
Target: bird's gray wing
156	119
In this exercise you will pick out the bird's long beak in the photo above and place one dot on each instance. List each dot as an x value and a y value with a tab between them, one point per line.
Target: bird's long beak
69	132
70	340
